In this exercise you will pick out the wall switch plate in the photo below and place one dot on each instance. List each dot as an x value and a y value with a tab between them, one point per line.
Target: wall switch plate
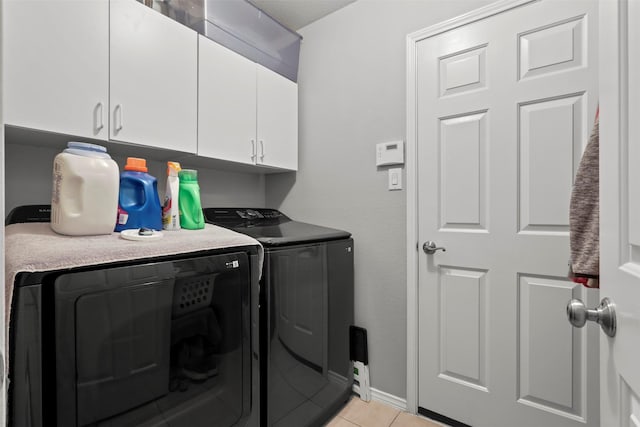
395	179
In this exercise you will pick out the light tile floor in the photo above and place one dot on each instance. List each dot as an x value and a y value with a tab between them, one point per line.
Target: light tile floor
358	413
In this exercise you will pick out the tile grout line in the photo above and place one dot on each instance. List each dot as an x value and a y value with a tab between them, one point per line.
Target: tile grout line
395	418
351	422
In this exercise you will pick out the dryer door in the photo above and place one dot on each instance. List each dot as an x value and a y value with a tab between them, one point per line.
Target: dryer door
161	343
118	357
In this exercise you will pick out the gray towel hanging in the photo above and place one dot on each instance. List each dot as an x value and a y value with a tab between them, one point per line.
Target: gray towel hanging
584	213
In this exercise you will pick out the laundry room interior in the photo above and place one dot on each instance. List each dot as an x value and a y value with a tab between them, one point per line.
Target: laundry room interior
495	182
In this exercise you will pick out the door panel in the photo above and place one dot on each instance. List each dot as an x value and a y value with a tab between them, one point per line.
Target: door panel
277	129
463	330
56	66
226	103
549	126
463	71
550	372
552	48
153	75
463	142
504	110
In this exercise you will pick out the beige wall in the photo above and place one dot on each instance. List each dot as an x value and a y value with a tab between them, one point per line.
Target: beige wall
352	96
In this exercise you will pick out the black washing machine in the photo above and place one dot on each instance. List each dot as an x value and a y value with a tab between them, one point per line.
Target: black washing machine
307	301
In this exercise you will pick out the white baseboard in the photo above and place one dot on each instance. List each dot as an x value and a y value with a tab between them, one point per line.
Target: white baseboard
383	397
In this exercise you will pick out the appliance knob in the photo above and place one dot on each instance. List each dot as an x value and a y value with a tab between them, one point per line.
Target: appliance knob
252	214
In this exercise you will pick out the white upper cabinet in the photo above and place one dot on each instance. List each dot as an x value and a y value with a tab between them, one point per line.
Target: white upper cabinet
118	70
226	104
56	66
153	75
246	112
277	120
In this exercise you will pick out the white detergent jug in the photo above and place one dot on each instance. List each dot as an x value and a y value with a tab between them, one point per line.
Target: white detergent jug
84	199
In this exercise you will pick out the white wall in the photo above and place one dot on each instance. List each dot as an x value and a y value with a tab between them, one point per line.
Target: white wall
29	169
352	96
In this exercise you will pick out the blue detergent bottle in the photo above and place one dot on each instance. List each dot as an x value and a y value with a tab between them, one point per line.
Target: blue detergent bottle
138	201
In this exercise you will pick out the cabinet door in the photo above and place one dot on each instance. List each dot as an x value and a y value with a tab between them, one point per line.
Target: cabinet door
277	120
226	104
153	75
56	66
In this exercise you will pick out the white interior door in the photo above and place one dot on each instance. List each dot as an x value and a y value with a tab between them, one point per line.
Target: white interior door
620	210
504	110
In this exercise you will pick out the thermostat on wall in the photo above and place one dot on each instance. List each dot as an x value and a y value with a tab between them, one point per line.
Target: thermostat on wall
390	153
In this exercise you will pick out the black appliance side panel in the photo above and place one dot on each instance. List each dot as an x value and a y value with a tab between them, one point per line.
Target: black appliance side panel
253	400
341	305
26	381
306	313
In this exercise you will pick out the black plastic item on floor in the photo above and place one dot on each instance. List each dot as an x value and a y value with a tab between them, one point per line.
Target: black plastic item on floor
306	309
358	349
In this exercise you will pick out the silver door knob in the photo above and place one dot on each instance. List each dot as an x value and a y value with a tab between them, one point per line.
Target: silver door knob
430	247
604	314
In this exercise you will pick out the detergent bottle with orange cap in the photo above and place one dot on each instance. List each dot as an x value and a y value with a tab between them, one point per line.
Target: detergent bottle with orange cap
138	201
170	210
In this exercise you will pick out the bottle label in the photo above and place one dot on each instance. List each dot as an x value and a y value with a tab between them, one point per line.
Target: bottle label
166	210
169	221
57	182
123	216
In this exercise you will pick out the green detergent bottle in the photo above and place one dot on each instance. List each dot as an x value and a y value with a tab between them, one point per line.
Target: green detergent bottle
191	216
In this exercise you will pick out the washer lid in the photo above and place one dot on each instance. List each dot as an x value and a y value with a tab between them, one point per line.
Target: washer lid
271	227
292	232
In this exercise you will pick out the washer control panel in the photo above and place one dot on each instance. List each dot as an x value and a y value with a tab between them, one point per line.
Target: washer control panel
236	215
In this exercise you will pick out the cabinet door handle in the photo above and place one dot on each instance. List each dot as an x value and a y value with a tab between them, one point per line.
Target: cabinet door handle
98	120
253	150
262	150
118	117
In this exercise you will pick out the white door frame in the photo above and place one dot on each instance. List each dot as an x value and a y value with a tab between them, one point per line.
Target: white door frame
413	246
4	371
